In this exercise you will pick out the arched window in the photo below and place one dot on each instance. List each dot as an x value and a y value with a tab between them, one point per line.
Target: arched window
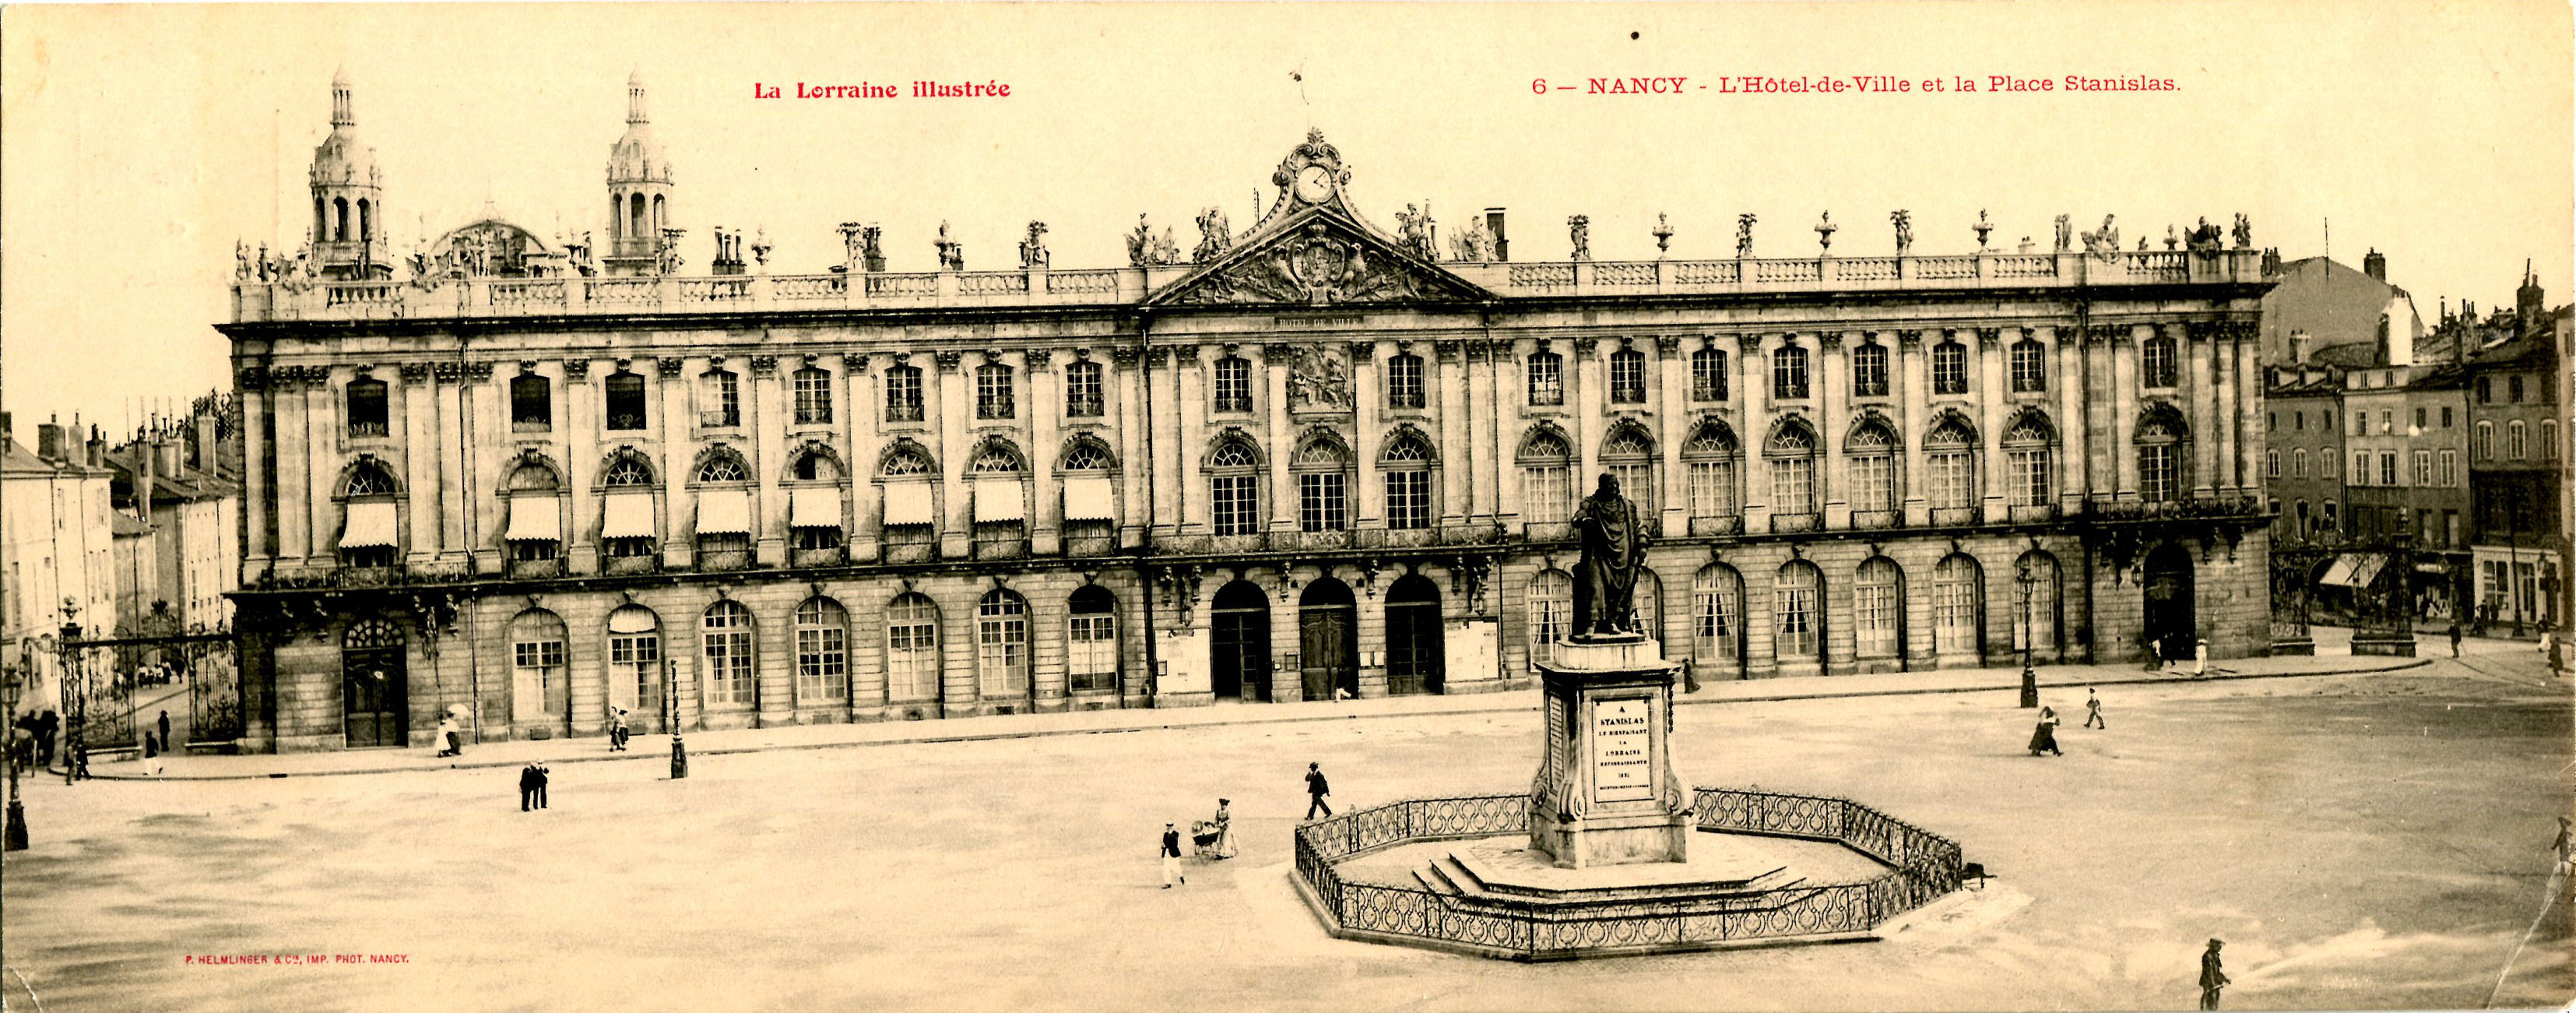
815	465
725	631
1789	373
1792	456
912	648
1404	387
1546	378
814	511
2483	449
1628	376
1002	645
1551	612
2159	441
1091	640
368	414
1708	374
719	399
1407	464
813	389
1950	463
1797	593
635	219
366	221
902	394
822	652
1949	368
339	219
1234	481
635	660
1547	478
1233	384
1628	455
1869	455
1878	593
369	479
2298	462
2029	367
1717	611
1086	454
2515	446
535	528
1958	606
627	469
906	461
1001	497
624	393
537	688
723	466
2158	362
1082	394
1322	467
1711	456
627	531
1869	369
2027	461
996	459
994	392
532	404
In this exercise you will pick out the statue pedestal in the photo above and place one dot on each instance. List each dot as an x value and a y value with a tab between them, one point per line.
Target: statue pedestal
1605	792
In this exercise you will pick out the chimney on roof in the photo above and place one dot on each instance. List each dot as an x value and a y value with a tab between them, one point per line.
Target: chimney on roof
1494	224
49	441
201	441
147	467
97	449
2375	265
8	428
2530	304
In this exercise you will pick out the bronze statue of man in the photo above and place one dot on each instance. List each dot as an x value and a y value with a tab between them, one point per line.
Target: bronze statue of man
1614	549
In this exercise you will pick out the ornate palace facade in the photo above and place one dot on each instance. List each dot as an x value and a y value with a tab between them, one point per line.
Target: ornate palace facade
1310	457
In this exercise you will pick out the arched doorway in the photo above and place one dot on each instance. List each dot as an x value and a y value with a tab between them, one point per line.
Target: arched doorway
1239	645
2170	627
1414	649
375	691
1328	622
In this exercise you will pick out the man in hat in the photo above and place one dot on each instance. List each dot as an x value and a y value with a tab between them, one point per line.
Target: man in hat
1172	857
528	787
2211	978
1316	789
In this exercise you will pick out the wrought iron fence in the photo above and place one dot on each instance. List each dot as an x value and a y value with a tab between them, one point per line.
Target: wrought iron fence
115	687
1924	866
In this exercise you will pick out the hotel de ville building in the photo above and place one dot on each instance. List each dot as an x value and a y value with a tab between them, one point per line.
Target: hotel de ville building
526	481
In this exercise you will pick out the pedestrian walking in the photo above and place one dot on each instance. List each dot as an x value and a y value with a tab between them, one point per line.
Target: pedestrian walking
46	727
151	755
543	775
2211	977
2043	739
617	730
165	731
2455	640
528	788
1172	857
2199	658
1316	789
2093	711
451	739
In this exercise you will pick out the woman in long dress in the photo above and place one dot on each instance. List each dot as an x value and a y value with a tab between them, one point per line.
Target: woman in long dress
2043	739
1223	824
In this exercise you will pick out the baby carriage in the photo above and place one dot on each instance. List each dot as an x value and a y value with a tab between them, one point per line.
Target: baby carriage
1207	840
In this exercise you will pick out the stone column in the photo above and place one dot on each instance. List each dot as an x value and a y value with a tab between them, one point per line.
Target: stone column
294	475
1368	401
259	497
1672	399
421	454
672	425
452	405
1755	433
487	442
2124	409
2196	351
1275	360
862	435
578	439
1189	412
768	456
1993	396
1172	468
1507	359
1913	406
1582	380
325	427
2245	404
1136	464
954	393
2100	471
1046	509
1831	391
1451	394
2066	380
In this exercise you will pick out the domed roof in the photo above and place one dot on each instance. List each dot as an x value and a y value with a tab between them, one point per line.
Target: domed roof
341	160
637	157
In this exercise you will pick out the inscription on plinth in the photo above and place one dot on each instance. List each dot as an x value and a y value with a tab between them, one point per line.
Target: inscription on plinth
1605	792
1623	750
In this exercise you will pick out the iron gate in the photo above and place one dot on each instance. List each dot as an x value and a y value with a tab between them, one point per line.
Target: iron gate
116	688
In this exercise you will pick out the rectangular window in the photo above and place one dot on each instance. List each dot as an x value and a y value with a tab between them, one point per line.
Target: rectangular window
903	394
1712	488
813	396
729	679
993	392
2272	463
1796	606
1949	368
625	408
1873	480
367	412
1235	505
1546	379
2361	467
1404	382
1082	395
2326	460
2482	442
1714	631
2030	478
1321	503
2513	389
1233	384
1789	374
2156	361
1954	480
2158	467
822	663
2446	416
2450	469
2388	467
1793	485
912	654
1708	375
1637	482
1408	500
2419	418
2387	422
1549	492
2514	448
719	400
2424	468
1628	377
2029	367
1091	655
534	665
1874	618
532	404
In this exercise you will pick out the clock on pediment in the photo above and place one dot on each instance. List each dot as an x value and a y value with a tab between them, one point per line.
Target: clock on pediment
1312	174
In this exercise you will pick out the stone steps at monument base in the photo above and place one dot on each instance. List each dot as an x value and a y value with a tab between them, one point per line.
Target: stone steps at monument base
1458	884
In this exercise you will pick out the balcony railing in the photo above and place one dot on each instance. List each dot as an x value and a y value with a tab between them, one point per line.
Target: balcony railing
1943	517
1788	523
1877	518
1732	524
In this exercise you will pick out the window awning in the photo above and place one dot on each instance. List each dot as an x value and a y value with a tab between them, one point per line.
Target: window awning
908	503
370	524
724	512
1089	498
630	515
535	519
2340	574
999	499
2355	569
814	506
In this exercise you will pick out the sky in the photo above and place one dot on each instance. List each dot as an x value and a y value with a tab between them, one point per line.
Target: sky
142	142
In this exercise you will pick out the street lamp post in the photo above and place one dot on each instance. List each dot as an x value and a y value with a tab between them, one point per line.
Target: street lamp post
2029	676
12	682
75	687
671	708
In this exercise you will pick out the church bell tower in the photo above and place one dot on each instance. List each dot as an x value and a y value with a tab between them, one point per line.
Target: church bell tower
639	193
348	235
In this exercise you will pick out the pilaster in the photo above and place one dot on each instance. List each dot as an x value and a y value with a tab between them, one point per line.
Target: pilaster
1913	384
1831	389
1993	397
1046	508
1452	391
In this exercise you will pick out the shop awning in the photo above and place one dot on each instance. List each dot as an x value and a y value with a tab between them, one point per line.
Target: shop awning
2354	569
814	506
999	499
370	524
2369	571
1089	498
630	515
909	503
724	512
2340	574
535	519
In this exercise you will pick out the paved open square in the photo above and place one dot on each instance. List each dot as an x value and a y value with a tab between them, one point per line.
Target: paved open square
2359	841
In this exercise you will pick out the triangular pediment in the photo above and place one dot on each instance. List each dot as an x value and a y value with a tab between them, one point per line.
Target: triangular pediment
1313	257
